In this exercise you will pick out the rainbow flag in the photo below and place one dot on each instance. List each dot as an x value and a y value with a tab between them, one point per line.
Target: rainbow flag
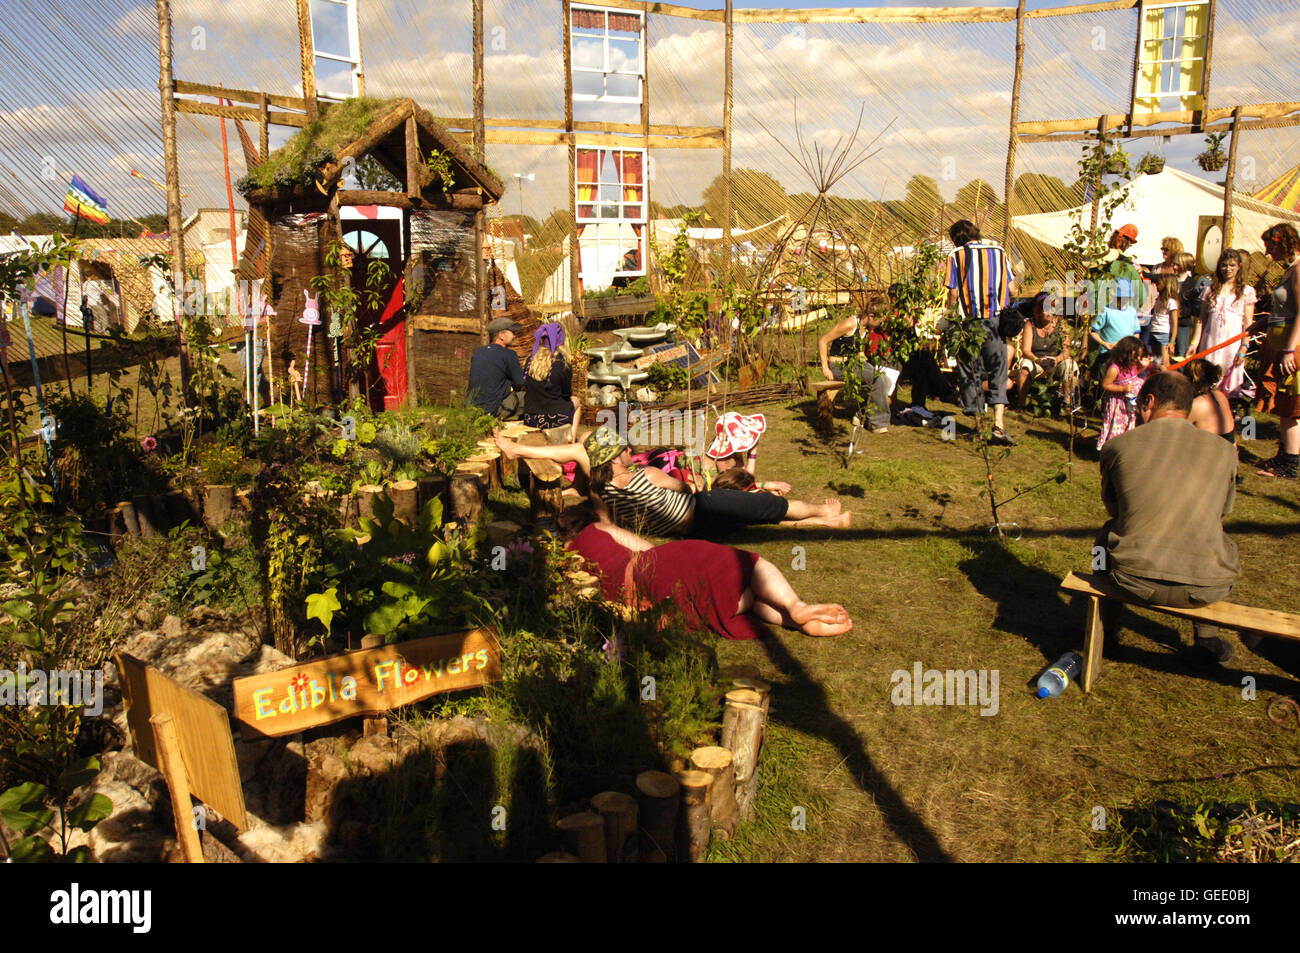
83	202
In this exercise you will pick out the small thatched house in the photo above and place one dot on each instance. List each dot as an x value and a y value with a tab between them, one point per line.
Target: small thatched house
384	183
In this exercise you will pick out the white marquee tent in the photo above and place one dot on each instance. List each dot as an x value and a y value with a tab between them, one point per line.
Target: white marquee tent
1167	203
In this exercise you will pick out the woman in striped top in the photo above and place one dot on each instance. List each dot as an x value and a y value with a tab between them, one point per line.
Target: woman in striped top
647	500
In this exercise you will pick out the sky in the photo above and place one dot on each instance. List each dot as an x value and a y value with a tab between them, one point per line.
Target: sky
79	95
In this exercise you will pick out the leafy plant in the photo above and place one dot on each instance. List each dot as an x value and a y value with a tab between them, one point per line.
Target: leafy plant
1213	158
666	377
441	171
24	809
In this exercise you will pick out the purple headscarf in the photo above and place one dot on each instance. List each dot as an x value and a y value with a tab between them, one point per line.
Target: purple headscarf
552	333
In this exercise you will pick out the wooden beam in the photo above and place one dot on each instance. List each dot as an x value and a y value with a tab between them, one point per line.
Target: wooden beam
166	82
727	106
1104	7
1209	60
1096	186
307	55
184	88
662	9
264	125
1228	179
413	161
880	15
240	112
632	128
1188	117
1017	77
433	322
1137	62
575	250
1182	130
507	137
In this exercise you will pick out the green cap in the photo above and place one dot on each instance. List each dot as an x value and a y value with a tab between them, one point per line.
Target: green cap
603	445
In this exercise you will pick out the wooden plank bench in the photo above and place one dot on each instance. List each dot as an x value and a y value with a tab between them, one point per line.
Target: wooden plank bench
825	392
1096	587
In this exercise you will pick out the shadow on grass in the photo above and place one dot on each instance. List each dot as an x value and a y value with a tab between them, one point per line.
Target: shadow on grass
805	708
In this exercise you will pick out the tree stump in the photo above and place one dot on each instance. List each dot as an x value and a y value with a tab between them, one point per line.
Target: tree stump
657	796
502	533
758	686
145	517
545	490
431	487
218	502
491	460
404	494
695	822
826	392
584	836
468	493
620	813
130	521
743	722
367	493
717	762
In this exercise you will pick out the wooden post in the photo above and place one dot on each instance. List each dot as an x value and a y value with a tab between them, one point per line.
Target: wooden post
726	141
480	153
696	821
1205	70
178	786
717	763
575	253
167	87
307	53
1230	177
584	836
1013	140
742	731
620	813
218	502
1096	186
1137	60
1093	639
657	794
264	127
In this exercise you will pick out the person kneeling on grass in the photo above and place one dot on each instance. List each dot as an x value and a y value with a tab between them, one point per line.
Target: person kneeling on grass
716	587
650	501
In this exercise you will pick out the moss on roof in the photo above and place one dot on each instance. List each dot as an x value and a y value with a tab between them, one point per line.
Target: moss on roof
317	144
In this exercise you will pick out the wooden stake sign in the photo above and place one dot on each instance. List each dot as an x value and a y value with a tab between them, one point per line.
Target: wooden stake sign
366	682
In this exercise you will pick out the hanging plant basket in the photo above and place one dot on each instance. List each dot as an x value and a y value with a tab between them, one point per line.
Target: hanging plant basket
1117	164
1152	164
1212	161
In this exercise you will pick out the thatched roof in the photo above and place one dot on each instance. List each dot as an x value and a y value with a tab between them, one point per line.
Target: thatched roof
307	167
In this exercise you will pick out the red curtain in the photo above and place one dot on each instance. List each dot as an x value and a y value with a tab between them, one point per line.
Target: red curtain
631	177
589	19
588	173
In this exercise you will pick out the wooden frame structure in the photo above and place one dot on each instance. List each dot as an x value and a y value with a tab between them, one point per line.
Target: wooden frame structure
1233	119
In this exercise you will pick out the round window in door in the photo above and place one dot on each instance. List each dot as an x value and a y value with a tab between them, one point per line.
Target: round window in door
367	244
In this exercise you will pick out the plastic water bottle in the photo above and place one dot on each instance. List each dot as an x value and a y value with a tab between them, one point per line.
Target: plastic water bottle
1052	682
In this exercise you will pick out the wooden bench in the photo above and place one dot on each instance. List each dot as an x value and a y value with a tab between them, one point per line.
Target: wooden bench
825	392
1283	625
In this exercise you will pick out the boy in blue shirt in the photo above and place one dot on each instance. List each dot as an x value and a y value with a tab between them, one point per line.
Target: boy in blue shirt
1114	324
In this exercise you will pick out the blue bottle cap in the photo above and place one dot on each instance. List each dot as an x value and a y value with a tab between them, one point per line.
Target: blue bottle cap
1043	693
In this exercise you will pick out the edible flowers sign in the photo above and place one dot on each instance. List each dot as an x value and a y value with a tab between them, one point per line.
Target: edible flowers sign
366	682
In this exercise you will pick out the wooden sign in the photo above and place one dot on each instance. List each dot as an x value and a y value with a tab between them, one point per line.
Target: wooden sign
366	682
203	732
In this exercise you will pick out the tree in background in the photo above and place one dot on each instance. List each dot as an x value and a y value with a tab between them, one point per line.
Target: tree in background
977	201
1034	192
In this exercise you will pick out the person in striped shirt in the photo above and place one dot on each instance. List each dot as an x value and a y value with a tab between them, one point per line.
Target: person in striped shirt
980	285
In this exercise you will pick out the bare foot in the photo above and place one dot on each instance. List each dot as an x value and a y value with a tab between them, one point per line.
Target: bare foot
821	612
505	445
841	522
820	629
833	506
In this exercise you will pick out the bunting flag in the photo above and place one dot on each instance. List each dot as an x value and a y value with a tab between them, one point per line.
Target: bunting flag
84	203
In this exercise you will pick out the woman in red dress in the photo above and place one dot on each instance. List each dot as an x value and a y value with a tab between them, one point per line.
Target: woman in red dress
716	587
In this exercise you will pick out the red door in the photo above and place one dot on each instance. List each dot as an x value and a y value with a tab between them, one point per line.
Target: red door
376	240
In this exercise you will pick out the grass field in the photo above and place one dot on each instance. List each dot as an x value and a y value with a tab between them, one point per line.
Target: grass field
925	581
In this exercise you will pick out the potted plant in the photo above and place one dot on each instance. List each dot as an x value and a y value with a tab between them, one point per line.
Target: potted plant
1213	159
1151	164
1117	162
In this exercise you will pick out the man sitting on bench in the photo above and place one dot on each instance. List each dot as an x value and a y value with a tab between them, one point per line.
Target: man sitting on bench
1167	486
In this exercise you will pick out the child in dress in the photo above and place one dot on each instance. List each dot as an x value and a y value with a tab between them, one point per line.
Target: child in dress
1227	309
1128	368
1159	333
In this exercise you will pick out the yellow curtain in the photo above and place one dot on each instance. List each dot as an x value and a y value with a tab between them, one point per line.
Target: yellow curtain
1193	45
1148	84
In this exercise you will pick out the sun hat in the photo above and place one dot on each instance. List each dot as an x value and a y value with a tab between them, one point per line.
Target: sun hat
736	434
603	445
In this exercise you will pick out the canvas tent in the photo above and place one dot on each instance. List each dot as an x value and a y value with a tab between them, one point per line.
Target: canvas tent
1167	203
